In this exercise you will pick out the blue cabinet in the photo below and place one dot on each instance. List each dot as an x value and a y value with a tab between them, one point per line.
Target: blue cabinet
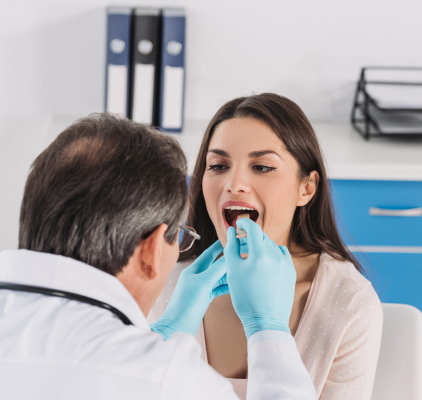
381	222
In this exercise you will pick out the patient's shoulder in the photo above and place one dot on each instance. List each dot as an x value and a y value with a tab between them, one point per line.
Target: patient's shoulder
332	272
341	302
340	283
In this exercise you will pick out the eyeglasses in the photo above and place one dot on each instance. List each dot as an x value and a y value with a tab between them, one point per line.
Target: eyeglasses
189	237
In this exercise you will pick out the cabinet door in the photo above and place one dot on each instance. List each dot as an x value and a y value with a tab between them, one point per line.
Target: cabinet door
389	247
355	200
396	277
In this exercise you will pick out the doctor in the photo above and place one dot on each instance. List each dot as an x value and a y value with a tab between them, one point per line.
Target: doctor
98	237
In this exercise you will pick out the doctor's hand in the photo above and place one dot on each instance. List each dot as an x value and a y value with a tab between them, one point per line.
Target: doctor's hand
262	286
196	288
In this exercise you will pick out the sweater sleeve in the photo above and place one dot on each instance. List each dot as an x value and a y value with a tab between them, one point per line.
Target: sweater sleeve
353	371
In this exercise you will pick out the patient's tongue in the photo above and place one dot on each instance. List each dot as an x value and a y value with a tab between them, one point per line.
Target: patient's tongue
239	232
234	215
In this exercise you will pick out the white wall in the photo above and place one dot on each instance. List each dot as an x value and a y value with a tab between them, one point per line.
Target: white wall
52	63
53	51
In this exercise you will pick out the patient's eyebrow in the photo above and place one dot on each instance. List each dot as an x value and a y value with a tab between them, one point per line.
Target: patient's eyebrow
260	153
219	152
252	154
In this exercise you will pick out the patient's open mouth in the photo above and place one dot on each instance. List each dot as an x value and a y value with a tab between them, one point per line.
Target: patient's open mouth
231	213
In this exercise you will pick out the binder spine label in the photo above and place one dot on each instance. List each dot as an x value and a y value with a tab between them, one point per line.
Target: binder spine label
143	101
117	76
173	97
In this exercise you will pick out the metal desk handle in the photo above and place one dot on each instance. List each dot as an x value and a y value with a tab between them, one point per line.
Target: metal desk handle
385	212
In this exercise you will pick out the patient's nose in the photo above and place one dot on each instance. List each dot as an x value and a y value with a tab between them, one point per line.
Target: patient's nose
238	182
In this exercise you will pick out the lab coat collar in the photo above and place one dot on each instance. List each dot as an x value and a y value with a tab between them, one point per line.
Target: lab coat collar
49	270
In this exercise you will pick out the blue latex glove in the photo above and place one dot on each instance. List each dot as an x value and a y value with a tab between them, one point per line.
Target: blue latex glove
198	285
262	286
243	245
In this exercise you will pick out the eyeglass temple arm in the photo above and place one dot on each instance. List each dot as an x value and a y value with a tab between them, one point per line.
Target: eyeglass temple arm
194	234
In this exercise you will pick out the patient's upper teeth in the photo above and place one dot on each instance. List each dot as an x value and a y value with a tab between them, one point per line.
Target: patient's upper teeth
238	208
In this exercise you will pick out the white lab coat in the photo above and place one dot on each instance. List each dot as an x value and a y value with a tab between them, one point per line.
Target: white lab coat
56	348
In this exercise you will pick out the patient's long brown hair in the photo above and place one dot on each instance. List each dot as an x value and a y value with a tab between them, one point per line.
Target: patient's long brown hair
313	227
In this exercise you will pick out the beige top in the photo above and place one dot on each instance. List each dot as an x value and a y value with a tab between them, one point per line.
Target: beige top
338	336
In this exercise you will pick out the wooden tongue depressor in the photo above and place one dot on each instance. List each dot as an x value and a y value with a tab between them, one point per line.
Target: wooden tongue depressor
239	232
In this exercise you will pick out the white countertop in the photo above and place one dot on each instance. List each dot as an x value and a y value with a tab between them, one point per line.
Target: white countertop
349	156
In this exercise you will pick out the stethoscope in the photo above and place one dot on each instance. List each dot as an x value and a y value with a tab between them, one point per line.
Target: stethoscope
66	295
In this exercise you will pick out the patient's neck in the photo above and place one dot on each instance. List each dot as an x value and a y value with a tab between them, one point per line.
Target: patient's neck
306	267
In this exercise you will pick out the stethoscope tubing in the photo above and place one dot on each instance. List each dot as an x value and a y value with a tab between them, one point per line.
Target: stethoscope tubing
66	295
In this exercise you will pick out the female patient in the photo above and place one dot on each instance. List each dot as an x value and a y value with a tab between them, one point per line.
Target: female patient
260	159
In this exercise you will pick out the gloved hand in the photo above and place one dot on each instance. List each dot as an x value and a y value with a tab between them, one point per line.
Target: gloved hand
243	245
262	286
197	286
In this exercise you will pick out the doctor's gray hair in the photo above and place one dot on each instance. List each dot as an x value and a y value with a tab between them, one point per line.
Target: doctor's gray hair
102	186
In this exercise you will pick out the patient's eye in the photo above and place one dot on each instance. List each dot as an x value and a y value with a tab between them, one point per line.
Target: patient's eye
263	169
217	168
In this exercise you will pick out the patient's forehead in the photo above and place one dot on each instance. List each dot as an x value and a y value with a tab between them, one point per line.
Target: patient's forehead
246	133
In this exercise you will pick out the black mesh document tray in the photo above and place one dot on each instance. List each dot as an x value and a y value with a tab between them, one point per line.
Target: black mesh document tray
388	102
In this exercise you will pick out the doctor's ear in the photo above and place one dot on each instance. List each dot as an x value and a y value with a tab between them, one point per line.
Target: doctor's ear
150	252
307	188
